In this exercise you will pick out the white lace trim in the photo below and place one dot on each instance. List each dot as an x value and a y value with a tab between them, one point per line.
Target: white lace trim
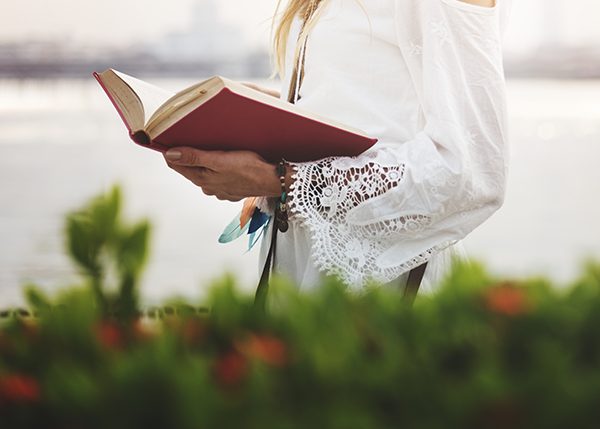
321	197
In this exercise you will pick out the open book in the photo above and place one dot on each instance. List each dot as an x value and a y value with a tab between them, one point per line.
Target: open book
220	114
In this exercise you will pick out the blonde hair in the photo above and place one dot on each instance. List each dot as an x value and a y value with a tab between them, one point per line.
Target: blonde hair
309	10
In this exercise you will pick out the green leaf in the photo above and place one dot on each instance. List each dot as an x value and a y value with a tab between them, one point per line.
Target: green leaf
36	298
132	248
84	247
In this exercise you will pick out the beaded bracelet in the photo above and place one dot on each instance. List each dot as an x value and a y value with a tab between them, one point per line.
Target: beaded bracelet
281	212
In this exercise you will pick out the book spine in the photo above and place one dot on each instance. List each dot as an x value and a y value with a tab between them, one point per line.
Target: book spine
143	139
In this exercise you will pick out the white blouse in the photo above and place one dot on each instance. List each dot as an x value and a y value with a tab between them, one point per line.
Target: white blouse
426	78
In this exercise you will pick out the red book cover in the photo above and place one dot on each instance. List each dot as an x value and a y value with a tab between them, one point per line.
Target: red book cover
232	121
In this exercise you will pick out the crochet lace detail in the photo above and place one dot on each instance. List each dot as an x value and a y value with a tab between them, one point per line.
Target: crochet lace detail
323	194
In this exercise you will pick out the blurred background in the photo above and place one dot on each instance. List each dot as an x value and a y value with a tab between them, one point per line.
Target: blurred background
61	141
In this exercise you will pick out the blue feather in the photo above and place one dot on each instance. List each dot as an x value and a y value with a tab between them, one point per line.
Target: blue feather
255	236
258	219
233	230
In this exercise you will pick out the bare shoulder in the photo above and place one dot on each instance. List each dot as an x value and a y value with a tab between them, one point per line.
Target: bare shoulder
484	3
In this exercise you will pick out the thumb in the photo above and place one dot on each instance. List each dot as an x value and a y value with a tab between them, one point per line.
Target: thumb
190	157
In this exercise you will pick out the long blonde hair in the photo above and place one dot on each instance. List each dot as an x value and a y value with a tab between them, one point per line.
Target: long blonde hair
309	10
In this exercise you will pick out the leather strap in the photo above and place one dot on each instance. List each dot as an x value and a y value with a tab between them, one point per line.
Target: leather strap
415	277
263	284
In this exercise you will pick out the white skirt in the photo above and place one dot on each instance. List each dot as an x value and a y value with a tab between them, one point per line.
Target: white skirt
293	260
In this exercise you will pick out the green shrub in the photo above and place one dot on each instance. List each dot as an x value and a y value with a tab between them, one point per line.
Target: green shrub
481	353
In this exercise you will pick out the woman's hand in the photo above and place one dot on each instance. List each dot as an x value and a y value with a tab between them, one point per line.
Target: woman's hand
228	176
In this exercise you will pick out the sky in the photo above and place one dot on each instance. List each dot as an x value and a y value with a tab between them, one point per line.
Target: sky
118	21
125	22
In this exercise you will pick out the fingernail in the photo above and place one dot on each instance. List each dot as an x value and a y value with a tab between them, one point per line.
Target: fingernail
173	155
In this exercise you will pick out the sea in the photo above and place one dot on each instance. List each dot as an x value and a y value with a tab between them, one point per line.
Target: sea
62	143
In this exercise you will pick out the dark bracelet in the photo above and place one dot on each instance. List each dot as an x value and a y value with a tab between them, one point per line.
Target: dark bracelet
281	211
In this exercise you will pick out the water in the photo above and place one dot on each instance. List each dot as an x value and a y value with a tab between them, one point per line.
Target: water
62	143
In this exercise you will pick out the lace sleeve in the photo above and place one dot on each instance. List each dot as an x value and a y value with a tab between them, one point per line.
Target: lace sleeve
387	211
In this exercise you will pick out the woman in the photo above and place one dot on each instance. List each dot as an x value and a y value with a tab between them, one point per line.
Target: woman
423	76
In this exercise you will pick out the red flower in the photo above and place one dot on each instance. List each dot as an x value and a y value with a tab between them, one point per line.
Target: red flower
269	349
230	369
109	335
19	388
508	299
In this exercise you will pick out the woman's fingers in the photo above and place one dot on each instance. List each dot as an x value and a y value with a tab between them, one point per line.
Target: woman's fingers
197	175
200	177
220	195
190	157
228	175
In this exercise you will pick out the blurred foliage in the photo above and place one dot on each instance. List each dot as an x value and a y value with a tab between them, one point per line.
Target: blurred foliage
104	248
481	353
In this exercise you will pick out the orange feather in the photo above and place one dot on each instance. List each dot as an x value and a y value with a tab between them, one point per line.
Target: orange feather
247	210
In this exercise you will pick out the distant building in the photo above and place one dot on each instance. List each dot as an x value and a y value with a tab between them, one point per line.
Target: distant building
207	39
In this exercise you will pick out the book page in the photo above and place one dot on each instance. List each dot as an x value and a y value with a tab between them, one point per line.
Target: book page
180	104
151	96
189	99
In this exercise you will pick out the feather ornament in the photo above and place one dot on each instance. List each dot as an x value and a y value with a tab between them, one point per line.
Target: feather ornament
249	220
233	230
248	210
255	236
